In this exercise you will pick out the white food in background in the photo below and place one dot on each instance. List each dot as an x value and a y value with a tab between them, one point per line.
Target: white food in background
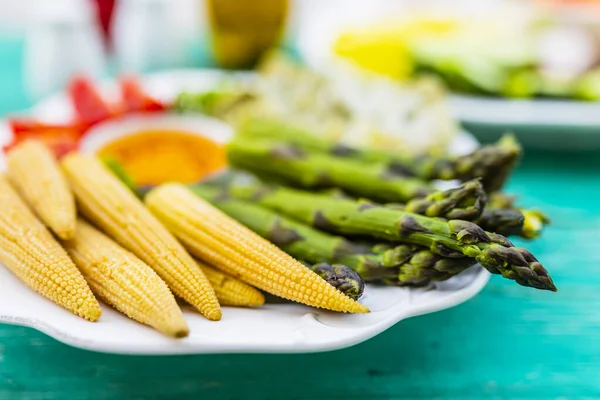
356	107
567	51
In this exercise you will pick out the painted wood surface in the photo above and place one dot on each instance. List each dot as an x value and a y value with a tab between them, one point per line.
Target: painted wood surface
508	342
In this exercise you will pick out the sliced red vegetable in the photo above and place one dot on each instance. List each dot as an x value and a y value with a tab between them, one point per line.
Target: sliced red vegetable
26	126
89	105
60	142
136	99
90	108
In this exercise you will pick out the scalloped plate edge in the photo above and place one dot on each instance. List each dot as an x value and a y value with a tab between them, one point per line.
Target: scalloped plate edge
359	335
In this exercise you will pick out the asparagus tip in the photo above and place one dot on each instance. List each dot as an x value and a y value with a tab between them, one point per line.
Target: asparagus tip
343	278
534	222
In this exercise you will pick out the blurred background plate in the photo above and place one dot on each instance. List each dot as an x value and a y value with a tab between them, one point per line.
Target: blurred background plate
543	124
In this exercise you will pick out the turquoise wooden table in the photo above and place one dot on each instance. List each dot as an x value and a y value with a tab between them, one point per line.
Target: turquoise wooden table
508	342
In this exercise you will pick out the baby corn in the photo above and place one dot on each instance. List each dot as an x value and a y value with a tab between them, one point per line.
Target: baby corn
221	241
124	281
111	206
231	291
35	174
29	250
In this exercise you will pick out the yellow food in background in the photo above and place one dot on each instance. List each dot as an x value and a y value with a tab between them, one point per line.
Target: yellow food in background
378	52
386	48
231	291
124	281
30	251
224	243
155	157
34	172
104	200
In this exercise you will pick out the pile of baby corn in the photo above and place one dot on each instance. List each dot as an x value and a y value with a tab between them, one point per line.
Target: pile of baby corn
74	233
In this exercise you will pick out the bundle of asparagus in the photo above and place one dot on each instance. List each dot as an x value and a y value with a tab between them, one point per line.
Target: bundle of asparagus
451	241
401	264
467	202
289	163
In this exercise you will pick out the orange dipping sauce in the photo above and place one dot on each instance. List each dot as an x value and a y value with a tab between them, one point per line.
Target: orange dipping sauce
159	156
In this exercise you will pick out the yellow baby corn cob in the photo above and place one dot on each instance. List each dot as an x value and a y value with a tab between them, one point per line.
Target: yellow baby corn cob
221	241
30	251
231	291
104	200
35	174
124	281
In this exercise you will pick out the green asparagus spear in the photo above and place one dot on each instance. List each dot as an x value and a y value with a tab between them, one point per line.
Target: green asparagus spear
401	265
451	239
505	221
465	202
503	217
341	277
534	223
534	220
317	170
423	267
492	163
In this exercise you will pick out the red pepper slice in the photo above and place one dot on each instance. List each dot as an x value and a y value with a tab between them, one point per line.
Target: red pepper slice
61	138
135	99
90	108
89	105
60	142
25	126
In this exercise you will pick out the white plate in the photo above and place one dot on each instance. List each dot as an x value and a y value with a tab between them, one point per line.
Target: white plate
274	328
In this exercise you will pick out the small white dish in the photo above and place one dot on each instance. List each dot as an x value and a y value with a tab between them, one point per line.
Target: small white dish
106	132
274	328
